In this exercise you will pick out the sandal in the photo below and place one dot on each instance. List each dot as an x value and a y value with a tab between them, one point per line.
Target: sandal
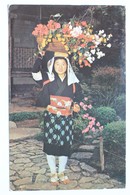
63	178
54	179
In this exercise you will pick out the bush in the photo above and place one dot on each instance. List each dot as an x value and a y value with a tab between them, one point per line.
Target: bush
114	135
20	116
107	83
39	136
120	106
114	132
105	115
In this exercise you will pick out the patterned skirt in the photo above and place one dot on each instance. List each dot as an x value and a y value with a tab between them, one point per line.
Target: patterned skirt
58	134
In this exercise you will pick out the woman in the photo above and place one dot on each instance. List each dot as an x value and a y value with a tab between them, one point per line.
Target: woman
61	94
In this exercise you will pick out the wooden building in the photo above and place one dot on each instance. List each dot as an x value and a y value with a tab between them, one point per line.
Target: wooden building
22	44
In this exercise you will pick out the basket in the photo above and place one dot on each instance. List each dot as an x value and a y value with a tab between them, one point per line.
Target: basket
56	46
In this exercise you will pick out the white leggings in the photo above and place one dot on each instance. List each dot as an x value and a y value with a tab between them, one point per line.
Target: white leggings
52	163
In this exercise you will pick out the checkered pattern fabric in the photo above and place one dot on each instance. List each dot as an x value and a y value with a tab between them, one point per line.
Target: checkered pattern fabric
58	129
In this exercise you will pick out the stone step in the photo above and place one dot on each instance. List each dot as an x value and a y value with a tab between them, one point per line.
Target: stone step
81	155
87	148
16	134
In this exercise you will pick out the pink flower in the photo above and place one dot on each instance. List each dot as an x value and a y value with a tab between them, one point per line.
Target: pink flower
93	129
101	128
81	104
84	23
57	25
85	116
98	124
85	130
90	126
92	122
89	106
90	118
85	98
93	119
85	107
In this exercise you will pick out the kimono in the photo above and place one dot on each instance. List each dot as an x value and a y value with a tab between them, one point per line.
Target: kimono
59	98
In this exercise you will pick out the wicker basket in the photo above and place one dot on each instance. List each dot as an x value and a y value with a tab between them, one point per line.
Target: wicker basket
56	46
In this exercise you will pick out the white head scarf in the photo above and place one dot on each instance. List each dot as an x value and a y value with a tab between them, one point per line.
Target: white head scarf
70	73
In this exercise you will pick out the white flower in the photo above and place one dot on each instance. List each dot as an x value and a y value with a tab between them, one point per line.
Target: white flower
100	54
104	35
87	54
101	32
76	31
93	51
57	15
109	36
90	59
109	45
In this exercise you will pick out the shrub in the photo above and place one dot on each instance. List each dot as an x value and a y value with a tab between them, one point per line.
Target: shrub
105	114
114	132
20	116
107	84
120	106
39	136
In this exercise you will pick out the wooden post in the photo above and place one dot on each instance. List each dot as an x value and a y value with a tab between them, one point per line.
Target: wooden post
101	154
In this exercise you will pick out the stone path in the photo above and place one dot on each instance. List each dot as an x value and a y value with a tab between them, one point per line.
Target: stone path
29	170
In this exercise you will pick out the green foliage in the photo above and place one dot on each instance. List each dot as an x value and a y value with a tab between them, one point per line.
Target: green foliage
107	84
120	106
20	116
39	136
105	115
41	120
115	132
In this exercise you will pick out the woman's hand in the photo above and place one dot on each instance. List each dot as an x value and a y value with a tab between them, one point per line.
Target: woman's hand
76	107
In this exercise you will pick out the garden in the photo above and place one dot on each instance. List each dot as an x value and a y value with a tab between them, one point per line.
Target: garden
100	66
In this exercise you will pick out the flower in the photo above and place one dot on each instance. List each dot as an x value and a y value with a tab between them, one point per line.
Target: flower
75	32
85	122
76	36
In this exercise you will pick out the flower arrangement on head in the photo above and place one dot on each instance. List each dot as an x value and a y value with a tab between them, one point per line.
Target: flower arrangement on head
77	38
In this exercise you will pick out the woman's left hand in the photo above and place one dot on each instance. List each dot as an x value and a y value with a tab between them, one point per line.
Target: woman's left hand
76	107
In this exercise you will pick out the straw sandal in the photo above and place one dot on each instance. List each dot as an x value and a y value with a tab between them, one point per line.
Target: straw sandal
63	178
54	179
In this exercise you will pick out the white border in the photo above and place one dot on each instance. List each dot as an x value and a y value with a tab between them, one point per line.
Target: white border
4	135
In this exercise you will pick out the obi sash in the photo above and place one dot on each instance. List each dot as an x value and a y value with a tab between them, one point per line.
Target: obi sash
60	105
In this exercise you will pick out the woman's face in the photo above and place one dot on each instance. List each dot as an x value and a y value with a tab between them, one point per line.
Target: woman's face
60	66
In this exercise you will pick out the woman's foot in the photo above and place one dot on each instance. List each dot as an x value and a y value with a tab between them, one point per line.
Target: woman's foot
54	179
63	178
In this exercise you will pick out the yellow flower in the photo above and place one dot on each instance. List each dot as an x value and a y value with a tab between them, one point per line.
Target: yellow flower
49	40
75	57
66	47
80	54
43	44
59	39
83	40
58	35
104	40
50	36
74	50
101	39
80	61
63	39
63	42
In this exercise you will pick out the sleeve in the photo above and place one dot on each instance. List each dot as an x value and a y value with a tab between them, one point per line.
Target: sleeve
43	99
37	65
78	93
